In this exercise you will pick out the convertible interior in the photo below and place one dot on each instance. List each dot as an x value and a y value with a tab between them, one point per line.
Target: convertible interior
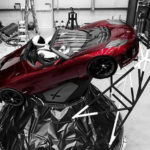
64	44
79	40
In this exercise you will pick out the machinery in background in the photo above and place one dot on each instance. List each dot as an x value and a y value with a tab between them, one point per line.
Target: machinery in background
71	23
72	20
14	34
9	32
17	34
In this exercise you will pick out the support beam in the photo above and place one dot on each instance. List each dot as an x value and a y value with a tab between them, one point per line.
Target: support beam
132	6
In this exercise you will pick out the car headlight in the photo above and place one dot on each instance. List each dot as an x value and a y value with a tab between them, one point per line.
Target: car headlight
116	43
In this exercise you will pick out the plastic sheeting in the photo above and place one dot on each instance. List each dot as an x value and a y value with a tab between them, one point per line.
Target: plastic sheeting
36	127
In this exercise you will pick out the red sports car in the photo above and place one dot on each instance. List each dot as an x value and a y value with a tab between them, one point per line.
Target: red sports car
94	50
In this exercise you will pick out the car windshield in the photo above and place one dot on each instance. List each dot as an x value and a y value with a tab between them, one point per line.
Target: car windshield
72	41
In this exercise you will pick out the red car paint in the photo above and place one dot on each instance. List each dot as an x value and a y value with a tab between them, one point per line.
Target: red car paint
23	77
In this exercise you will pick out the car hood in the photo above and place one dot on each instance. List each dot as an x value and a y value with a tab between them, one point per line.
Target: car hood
11	66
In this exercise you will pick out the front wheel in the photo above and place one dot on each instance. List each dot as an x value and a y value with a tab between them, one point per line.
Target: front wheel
102	67
11	97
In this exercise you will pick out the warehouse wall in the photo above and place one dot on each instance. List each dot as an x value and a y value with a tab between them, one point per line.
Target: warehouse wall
91	16
87	3
103	10
9	4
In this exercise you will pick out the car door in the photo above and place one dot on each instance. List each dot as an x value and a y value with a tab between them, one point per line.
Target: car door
64	71
50	76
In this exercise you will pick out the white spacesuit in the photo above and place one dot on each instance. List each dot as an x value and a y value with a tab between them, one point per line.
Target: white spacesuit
43	47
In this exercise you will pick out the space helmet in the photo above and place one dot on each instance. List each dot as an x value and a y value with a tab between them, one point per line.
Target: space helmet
38	41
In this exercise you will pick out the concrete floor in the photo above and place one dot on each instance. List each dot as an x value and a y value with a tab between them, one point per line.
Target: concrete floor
137	127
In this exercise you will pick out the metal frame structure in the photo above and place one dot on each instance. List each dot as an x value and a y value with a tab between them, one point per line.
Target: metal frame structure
125	103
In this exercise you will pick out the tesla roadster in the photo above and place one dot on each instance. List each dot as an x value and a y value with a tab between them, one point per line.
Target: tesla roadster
95	50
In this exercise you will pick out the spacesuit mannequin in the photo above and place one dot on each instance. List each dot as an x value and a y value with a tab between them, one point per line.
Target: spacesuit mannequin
43	48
